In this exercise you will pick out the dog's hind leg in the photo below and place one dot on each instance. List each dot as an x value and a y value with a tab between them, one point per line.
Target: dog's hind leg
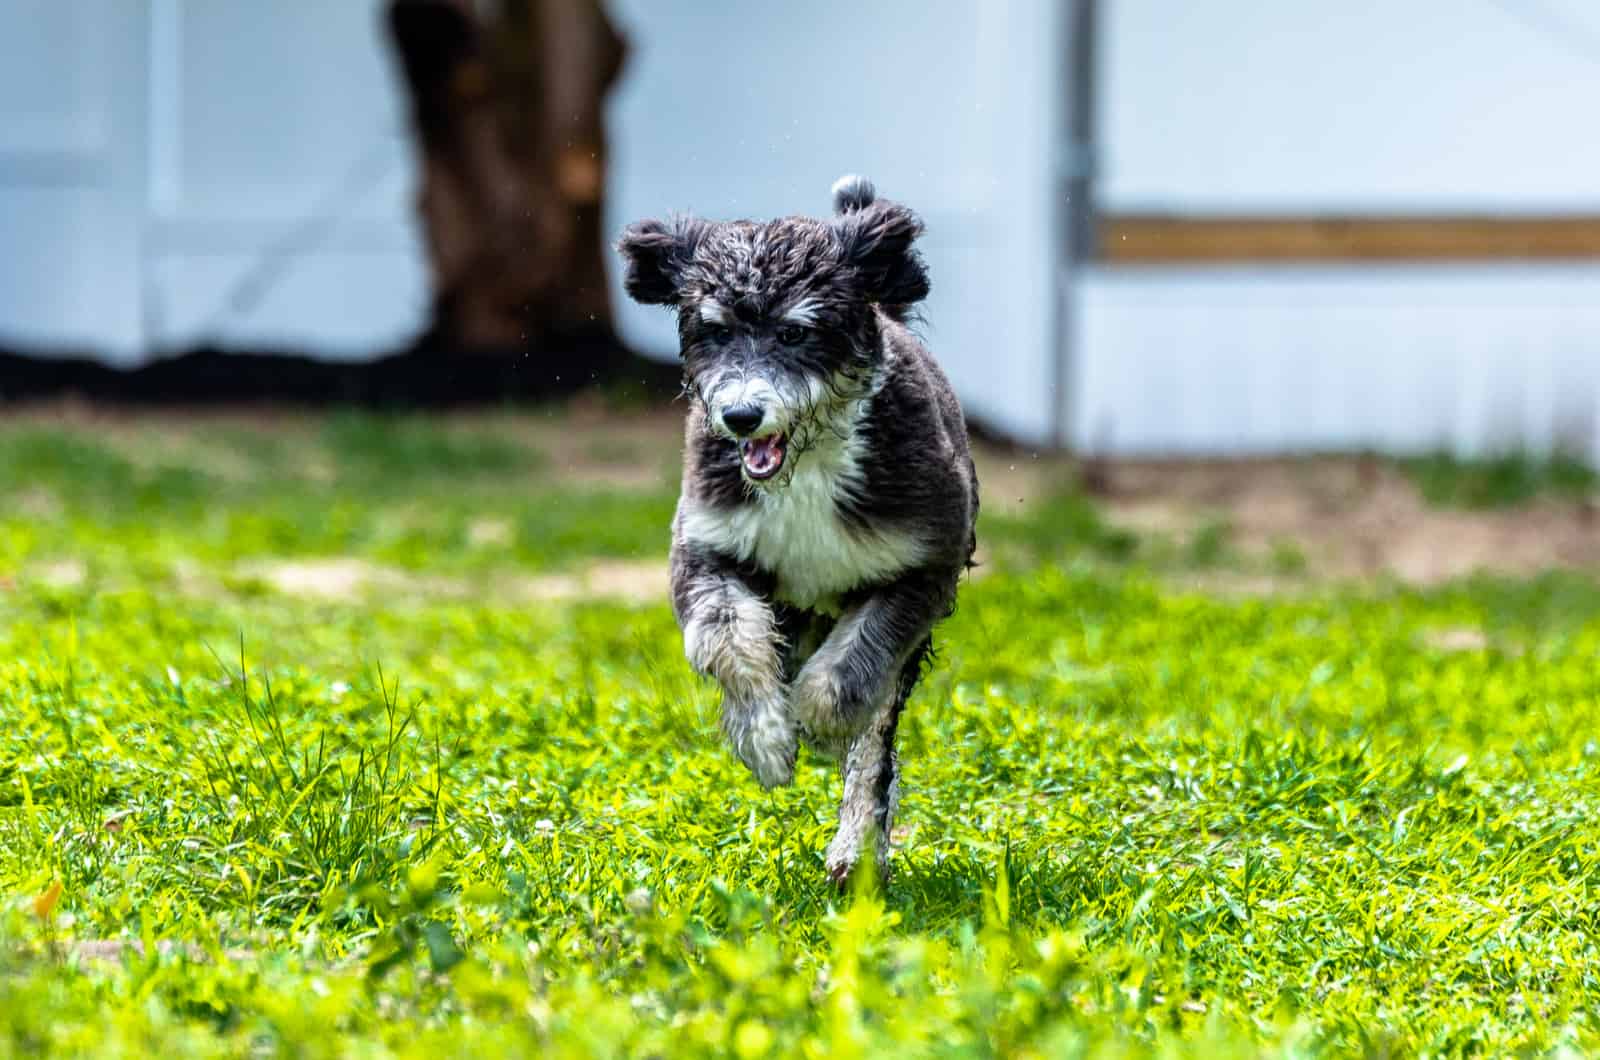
872	783
871	789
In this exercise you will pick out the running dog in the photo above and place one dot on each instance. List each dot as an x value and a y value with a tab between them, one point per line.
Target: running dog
829	498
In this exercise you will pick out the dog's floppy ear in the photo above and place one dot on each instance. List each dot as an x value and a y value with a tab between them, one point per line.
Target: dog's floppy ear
655	254
877	240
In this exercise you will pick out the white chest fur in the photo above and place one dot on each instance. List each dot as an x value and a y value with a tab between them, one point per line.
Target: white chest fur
795	532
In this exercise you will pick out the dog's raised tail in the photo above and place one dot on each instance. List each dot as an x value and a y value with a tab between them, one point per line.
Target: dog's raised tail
852	192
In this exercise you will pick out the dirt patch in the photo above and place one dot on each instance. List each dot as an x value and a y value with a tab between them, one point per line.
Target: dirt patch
583	442
1237	585
586	443
346	579
341	578
1347	518
1455	639
633	582
1010	482
172	437
35	503
101	950
61	574
629	581
491	533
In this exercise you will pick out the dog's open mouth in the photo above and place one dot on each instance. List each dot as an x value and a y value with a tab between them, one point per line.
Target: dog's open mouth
762	457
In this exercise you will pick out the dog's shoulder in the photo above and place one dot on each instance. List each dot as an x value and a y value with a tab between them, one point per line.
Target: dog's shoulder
915	465
915	372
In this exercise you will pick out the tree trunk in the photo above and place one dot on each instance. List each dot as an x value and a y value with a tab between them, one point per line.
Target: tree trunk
507	103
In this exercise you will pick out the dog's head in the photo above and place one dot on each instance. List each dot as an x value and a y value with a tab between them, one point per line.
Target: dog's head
776	320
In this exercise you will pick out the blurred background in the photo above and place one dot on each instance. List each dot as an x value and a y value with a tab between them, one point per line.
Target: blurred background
1154	229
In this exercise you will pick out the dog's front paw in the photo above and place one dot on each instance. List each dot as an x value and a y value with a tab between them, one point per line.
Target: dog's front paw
814	699
763	734
828	706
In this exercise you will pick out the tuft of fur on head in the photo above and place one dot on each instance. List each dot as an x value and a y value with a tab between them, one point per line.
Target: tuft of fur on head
655	255
852	192
878	242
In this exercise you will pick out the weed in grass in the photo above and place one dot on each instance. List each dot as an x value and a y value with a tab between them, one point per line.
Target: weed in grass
1288	559
1501	481
1211	544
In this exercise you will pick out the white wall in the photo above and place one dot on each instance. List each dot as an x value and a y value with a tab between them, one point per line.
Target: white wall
1407	358
280	163
753	108
1259	106
71	156
161	161
1368	107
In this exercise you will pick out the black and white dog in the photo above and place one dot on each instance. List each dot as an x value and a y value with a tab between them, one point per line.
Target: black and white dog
828	495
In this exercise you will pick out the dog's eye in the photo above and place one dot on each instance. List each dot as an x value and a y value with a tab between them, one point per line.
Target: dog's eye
791	334
719	333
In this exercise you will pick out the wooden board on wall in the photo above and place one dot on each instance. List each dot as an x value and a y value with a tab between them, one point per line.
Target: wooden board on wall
1151	239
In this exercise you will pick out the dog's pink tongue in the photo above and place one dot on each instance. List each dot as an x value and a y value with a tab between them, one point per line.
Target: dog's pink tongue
763	455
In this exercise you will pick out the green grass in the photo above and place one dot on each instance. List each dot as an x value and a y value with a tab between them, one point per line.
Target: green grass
1500	482
400	492
441	824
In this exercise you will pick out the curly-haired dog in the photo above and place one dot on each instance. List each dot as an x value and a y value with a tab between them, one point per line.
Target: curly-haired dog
828	496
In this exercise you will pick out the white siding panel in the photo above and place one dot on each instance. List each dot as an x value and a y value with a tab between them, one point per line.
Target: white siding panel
343	305
1406	358
282	180
1363	105
71	128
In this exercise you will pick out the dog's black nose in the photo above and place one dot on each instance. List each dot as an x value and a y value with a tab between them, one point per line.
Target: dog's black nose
742	419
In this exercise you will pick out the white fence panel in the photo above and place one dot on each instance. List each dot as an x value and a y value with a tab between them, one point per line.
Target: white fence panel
281	179
71	128
1406	358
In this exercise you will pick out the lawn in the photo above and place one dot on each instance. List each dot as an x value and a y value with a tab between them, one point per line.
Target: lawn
364	736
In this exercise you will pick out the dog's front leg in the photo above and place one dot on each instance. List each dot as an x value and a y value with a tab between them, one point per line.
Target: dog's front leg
730	634
837	691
